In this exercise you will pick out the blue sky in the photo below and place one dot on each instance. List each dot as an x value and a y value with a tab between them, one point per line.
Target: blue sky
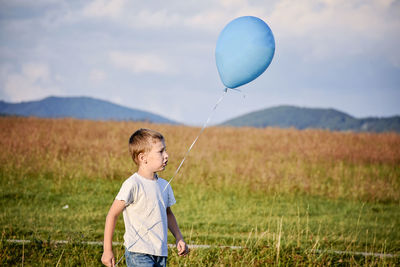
158	56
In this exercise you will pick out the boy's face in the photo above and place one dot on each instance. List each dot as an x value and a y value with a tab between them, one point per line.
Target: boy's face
157	157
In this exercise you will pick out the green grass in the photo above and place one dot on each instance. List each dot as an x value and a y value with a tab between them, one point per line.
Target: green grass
32	208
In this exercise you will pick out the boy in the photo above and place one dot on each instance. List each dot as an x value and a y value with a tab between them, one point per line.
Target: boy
145	201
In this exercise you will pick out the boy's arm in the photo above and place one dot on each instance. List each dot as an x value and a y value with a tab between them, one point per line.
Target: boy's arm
116	208
173	227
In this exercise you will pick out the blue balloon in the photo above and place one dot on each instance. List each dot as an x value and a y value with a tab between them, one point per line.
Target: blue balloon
244	50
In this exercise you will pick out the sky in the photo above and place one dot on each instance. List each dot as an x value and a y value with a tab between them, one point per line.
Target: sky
159	56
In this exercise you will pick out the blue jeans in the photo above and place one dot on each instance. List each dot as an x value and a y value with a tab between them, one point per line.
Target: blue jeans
144	260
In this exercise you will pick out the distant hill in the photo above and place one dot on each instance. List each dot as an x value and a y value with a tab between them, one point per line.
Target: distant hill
80	108
304	118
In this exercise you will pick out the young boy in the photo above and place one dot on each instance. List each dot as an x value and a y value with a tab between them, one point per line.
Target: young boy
145	200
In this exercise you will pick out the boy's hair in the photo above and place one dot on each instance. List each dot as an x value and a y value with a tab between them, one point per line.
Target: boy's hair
141	141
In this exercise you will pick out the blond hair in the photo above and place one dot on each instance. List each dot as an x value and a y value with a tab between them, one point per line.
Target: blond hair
141	141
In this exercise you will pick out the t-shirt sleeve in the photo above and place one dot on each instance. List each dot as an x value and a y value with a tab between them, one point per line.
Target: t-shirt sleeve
171	197
127	192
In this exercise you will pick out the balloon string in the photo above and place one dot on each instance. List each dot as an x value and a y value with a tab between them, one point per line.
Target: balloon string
195	140
120	259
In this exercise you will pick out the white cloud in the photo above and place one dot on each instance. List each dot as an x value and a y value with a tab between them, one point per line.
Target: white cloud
36	72
141	62
117	100
25	3
104	8
97	76
215	15
325	29
33	82
207	20
144	15
148	18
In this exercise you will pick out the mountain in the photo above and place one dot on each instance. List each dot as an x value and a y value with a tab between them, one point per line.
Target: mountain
80	108
303	118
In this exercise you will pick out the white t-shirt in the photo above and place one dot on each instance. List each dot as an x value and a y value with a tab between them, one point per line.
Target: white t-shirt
145	215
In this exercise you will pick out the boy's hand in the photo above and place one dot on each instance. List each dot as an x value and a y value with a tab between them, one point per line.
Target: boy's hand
183	249
108	259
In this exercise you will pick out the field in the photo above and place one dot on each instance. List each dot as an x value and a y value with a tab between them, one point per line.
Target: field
281	196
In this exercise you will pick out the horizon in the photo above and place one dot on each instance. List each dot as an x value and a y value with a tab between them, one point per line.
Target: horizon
211	122
160	57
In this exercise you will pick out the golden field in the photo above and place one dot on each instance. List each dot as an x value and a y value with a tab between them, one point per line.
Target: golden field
333	164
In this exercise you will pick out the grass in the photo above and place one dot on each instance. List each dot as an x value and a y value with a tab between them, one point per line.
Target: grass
286	197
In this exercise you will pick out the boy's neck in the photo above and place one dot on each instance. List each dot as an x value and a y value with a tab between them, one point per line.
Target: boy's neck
147	175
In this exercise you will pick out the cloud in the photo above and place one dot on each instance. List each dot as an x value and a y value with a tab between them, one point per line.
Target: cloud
153	15
215	15
141	62
147	18
130	14
327	29
97	76
301	18
32	82
25	3
104	8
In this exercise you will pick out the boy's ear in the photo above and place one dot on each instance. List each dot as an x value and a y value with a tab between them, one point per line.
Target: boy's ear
142	157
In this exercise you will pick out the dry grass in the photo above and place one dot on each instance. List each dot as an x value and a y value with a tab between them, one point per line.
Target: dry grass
334	164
